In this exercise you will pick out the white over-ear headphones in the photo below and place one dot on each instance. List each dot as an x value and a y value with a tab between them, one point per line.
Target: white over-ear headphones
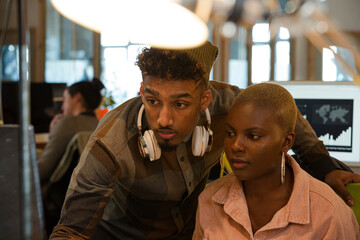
202	139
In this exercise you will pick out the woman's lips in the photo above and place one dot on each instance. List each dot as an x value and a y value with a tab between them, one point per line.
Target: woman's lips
239	164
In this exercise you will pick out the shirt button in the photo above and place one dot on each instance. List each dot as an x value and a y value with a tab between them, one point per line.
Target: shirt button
182	159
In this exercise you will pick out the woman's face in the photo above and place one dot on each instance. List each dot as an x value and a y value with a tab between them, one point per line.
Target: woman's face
254	142
68	104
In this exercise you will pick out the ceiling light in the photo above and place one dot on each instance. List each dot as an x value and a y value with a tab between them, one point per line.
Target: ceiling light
161	23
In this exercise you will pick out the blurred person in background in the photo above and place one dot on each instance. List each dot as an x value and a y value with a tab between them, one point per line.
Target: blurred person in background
78	114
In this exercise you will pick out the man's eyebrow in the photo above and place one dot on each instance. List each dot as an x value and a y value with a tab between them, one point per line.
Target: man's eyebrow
229	126
181	95
147	90
156	93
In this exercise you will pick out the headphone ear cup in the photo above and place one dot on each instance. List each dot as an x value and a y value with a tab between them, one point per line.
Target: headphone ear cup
152	145
200	140
144	151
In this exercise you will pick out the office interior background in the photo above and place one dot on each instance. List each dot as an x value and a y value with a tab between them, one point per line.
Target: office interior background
62	52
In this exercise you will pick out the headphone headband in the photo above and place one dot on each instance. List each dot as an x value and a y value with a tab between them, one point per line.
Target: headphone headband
140	116
208	118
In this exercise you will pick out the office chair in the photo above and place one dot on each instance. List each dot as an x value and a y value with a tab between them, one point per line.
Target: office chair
354	190
225	165
55	190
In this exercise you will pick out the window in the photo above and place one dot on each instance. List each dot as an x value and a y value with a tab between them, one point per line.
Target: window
120	75
69	49
282	56
9	62
262	63
332	69
260	59
238	67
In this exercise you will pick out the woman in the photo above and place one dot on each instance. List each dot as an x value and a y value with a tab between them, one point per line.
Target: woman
80	101
269	196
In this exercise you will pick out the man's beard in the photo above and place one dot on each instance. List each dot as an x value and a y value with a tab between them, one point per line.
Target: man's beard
165	144
167	147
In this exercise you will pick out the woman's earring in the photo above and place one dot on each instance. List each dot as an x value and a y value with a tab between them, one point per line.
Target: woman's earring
283	168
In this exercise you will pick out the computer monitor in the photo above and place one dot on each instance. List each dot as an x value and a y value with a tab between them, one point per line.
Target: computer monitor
333	111
43	103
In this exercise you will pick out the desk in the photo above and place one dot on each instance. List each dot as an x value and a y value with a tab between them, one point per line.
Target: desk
41	139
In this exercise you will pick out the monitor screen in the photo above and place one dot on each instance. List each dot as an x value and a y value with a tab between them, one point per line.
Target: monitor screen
43	103
333	111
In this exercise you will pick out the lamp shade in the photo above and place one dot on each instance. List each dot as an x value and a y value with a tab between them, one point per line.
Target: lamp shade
159	23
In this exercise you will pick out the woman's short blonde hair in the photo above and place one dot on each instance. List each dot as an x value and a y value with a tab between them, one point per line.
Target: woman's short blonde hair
275	98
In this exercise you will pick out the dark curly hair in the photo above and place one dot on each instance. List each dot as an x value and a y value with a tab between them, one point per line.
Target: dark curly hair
169	64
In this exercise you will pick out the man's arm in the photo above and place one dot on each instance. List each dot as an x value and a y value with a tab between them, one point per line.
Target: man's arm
310	151
89	191
314	157
338	179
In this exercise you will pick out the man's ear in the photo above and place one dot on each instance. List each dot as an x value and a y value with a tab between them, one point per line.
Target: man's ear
288	141
206	97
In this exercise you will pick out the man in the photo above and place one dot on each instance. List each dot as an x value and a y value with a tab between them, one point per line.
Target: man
121	190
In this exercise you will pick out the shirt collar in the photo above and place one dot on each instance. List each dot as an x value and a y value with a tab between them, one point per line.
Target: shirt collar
299	202
296	211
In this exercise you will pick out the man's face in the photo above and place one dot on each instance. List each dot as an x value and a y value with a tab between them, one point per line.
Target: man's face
254	142
172	108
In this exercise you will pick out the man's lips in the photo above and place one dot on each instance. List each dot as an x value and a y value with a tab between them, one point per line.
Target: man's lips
166	134
239	164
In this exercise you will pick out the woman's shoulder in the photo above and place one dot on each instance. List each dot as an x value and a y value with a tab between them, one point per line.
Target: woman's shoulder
63	124
322	195
71	121
223	184
319	192
67	119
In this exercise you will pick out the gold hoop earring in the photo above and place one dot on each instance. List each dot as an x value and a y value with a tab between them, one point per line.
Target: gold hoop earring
283	168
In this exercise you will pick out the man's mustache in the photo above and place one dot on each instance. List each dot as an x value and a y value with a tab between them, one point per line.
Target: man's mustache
165	128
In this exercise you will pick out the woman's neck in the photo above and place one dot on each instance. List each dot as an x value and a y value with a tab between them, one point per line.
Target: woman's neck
79	110
266	196
268	185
